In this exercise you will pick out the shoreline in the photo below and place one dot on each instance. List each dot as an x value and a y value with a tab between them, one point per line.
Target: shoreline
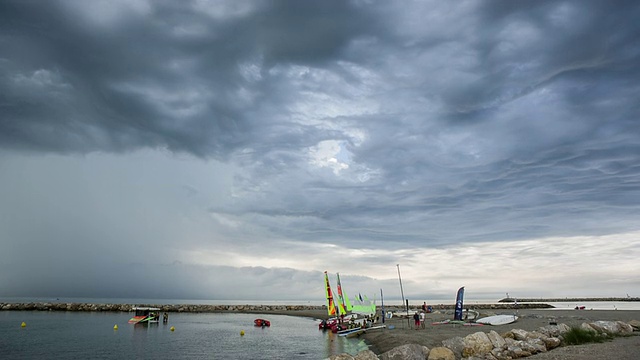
399	329
528	319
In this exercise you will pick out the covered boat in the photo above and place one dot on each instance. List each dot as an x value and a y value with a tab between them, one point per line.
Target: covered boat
145	315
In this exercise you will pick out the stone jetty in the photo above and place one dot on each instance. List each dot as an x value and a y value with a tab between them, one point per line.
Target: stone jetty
189	308
578	300
44	306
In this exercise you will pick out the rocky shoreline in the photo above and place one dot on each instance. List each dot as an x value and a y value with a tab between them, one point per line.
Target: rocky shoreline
53	306
512	344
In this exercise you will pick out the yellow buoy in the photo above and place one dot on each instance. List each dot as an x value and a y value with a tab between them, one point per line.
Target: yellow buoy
115	327
172	328
24	324
241	332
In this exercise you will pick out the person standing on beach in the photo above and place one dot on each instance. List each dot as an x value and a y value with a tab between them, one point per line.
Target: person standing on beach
416	320
423	318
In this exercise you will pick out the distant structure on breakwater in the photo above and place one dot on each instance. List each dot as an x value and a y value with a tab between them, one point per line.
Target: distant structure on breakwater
530	300
44	306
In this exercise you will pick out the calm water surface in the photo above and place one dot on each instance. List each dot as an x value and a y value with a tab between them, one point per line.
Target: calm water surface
80	335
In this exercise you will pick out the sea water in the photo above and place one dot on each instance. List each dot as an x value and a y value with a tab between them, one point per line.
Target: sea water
91	335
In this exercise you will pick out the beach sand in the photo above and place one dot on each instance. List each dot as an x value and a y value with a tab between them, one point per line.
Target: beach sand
432	336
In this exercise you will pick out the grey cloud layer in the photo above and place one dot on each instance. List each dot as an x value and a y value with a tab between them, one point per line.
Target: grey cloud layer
467	121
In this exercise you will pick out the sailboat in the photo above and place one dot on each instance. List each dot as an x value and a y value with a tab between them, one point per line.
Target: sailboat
364	306
333	309
343	304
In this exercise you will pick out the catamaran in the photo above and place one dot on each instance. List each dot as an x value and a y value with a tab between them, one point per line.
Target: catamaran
341	309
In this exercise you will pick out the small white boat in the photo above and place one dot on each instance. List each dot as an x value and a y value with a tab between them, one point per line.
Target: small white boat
498	320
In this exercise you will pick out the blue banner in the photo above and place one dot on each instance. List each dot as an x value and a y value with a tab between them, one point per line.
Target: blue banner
458	314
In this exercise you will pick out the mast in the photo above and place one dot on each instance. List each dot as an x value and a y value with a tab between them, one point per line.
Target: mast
400	278
382	301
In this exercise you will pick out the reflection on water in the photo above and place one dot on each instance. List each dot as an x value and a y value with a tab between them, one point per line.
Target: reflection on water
71	335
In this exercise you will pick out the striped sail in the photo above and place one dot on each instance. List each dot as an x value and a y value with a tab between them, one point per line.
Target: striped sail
344	305
331	307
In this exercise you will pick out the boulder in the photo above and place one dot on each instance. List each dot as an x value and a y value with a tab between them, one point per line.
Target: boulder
441	353
554	330
551	342
366	355
496	340
514	349
501	354
587	327
455	344
606	327
624	327
344	356
520	334
635	324
407	351
476	344
534	346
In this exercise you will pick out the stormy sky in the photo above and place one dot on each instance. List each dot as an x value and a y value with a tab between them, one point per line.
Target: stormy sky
237	149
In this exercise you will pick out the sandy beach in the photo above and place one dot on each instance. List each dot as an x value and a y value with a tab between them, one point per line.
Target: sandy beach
431	336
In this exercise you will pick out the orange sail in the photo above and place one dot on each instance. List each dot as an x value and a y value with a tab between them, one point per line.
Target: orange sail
331	306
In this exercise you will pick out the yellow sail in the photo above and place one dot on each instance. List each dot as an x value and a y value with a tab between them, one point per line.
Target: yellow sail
331	306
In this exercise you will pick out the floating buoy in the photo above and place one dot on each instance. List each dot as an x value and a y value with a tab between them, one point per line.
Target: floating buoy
24	324
115	327
172	328
241	332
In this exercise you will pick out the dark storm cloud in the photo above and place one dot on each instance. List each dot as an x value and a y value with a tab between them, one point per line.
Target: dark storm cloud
364	124
166	78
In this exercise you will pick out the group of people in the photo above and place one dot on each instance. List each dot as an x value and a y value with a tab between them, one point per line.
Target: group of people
420	318
367	322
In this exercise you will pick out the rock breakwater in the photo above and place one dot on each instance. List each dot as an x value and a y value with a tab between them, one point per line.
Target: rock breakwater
44	306
578	300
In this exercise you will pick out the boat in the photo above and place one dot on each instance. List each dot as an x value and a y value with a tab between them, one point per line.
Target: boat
344	305
349	331
336	309
498	320
145	315
364	306
261	322
331	306
360	330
